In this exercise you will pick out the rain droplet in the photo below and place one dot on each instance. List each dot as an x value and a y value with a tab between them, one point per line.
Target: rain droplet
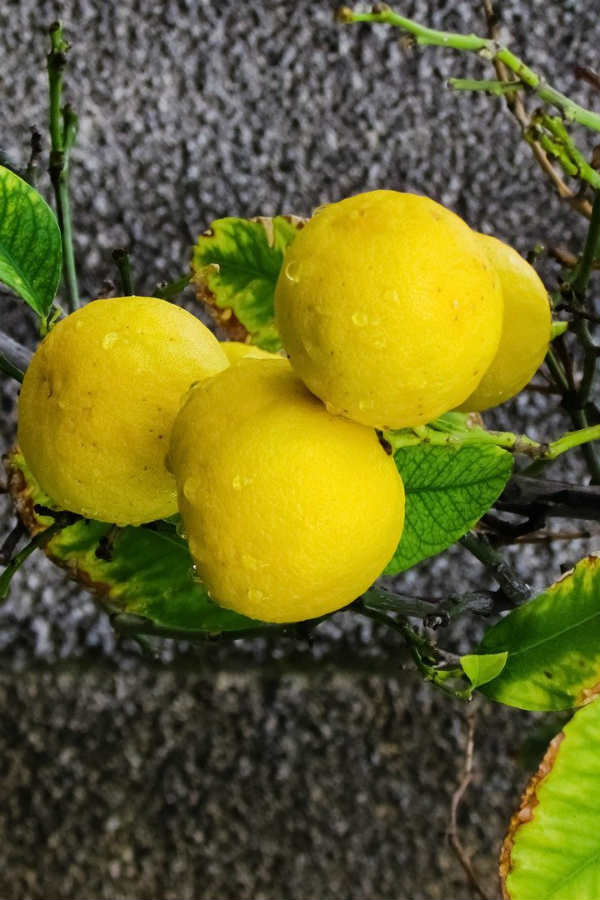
365	404
190	489
255	596
319	209
360	318
181	532
331	409
109	339
292	271
250	562
236	484
455	304
391	296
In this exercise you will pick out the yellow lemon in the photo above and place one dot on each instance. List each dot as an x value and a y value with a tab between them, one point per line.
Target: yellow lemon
525	332
389	308
236	350
98	402
290	512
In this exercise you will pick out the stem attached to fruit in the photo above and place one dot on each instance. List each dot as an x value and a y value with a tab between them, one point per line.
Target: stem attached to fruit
63	132
516	443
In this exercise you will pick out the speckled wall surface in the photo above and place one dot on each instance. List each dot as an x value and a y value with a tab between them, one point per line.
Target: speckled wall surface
257	771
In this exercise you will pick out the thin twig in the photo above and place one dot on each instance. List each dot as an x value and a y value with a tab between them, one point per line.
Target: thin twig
10	544
457	797
486	47
17	561
514	588
122	261
63	131
14	358
167	290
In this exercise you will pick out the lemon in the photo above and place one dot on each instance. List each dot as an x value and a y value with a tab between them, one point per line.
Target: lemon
290	512
388	308
525	332
98	401
236	350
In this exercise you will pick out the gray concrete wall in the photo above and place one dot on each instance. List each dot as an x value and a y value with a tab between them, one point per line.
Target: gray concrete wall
257	770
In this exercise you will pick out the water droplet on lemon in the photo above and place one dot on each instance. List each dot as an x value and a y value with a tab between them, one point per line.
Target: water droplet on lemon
109	340
292	272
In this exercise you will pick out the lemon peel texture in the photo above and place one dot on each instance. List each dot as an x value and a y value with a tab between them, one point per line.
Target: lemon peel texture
290	512
389	308
98	401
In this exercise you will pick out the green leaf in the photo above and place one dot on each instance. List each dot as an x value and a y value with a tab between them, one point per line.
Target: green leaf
553	644
552	849
448	489
30	244
236	264
149	573
558	327
483	667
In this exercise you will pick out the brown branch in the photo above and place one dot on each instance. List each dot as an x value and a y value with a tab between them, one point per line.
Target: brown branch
457	796
584	73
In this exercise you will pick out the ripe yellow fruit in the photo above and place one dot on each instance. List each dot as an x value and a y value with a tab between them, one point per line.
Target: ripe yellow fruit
290	512
236	350
525	332
98	402
388	308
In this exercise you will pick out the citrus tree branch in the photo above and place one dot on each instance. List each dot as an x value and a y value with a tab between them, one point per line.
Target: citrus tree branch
63	132
516	443
487	48
14	358
514	588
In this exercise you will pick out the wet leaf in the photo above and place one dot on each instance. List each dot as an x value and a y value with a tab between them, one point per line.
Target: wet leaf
30	243
448	489
236	264
147	573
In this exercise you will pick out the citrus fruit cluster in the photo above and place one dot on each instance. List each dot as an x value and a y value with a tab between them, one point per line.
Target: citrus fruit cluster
391	310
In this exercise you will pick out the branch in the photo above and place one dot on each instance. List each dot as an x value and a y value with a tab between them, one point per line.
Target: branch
14	358
487	48
556	499
166	290
436	612
425	654
63	132
514	589
515	443
551	134
457	796
123	263
17	561
507	67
